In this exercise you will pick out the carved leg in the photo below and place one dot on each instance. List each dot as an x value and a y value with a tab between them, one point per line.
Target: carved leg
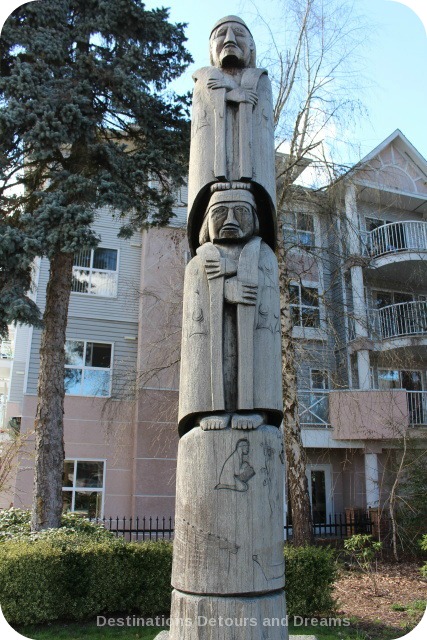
248	421
215	423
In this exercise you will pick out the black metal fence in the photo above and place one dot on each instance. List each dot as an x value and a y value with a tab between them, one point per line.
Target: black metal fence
149	528
339	526
138	528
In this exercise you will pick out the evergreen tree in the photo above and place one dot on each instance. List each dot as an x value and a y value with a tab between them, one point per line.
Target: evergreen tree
85	122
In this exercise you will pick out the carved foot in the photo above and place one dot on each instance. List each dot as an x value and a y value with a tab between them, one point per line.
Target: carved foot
247	421
215	423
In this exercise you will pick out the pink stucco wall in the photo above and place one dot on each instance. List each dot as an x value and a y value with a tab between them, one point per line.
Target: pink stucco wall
368	415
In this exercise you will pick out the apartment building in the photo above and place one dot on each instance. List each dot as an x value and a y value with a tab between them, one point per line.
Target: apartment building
357	258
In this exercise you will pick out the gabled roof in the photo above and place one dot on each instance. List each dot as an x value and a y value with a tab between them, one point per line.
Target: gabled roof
403	144
392	174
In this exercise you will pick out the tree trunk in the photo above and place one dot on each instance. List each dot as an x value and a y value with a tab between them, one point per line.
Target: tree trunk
49	425
296	461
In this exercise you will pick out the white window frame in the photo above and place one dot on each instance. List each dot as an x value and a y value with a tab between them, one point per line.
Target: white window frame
383	222
83	367
307	285
423	373
375	290
92	270
324	370
75	489
292	233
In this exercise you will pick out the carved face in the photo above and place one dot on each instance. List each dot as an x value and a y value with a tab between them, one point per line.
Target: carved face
231	46
230	221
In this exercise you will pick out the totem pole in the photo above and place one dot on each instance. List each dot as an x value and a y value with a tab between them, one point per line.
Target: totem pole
228	567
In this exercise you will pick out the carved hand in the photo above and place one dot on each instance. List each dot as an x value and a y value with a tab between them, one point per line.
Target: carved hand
216	83
238	292
216	267
242	95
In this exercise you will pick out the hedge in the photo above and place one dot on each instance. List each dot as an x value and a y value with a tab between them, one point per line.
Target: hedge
42	581
310	576
74	577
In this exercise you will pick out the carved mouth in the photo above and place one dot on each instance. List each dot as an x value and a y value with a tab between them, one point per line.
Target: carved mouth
230	227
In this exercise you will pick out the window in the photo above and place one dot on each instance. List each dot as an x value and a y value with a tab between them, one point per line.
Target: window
87	368
304	305
95	272
300	231
319	379
83	487
318	411
374	223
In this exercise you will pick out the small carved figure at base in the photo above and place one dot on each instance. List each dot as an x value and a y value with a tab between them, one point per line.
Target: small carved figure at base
216	422
248	421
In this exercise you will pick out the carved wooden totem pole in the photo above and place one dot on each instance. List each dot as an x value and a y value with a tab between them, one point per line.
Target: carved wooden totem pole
228	567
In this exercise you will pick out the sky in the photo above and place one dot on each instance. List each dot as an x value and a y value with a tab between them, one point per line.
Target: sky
395	54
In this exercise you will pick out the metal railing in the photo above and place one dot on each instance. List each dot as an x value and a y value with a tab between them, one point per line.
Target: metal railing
147	528
338	525
402	319
417	407
410	235
313	408
138	529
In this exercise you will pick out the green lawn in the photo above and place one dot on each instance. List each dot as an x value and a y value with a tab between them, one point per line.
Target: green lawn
83	630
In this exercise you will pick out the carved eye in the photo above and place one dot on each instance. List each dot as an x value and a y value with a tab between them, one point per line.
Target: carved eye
219	211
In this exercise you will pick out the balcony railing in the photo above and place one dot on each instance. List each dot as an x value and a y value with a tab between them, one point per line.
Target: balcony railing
417	407
313	408
403	319
410	235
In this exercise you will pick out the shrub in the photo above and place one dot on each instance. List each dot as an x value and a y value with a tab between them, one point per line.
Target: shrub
364	550
75	577
14	522
310	575
70	574
15	525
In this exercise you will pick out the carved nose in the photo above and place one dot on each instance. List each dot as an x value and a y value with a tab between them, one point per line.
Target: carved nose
231	221
231	218
229	36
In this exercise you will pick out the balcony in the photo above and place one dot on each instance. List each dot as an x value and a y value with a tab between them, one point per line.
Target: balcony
376	414
361	415
313	408
417	408
399	325
399	249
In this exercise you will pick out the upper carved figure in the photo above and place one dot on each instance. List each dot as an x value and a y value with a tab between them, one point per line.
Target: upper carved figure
232	136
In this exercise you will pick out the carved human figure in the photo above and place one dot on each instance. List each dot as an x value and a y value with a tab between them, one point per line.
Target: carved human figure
232	125
236	470
230	357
